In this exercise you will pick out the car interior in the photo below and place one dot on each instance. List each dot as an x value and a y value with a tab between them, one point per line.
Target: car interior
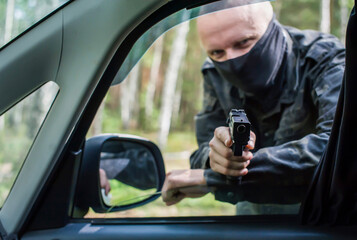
73	69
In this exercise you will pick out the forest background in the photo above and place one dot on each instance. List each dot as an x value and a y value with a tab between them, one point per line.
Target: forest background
161	97
164	91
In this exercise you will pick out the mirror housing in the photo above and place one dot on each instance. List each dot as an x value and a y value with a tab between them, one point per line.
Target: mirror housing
89	193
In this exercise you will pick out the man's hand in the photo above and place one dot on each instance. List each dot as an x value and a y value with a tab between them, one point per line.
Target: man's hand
183	183
222	159
104	183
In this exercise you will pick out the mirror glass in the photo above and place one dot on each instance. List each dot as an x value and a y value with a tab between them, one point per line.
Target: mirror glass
130	170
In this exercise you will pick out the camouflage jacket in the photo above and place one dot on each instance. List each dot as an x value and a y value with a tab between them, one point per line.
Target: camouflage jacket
291	134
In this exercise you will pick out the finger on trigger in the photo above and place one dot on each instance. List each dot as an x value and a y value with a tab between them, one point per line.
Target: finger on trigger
224	135
250	145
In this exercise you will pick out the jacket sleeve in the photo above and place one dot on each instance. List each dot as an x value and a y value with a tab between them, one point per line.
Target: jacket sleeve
211	117
282	173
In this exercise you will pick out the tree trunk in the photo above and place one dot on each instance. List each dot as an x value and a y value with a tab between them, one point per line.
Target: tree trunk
277	8
35	108
154	75
177	54
14	116
343	20
55	3
2	122
129	98
177	103
9	20
98	120
124	103
32	112
135	96
325	24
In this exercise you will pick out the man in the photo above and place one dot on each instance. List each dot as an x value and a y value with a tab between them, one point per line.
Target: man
288	83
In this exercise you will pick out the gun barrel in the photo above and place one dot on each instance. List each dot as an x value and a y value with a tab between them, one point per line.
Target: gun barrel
240	130
238	149
240	133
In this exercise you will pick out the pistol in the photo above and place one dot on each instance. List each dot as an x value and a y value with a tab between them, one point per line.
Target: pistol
239	126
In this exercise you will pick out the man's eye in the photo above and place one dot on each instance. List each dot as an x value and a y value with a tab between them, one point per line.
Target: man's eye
244	43
217	53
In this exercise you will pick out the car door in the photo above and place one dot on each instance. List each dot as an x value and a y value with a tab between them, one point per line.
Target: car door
80	48
69	49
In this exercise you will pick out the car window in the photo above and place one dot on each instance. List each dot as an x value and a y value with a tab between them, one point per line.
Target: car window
144	91
18	15
18	129
144	104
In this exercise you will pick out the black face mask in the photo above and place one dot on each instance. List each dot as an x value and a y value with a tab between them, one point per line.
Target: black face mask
255	72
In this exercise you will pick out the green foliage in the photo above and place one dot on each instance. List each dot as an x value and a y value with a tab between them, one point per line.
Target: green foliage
181	141
302	14
123	194
26	13
2	20
20	127
305	14
14	145
111	121
204	206
192	94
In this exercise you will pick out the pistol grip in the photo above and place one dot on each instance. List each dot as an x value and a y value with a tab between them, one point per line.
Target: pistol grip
237	149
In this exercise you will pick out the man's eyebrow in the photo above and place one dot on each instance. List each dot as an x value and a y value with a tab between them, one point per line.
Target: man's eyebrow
248	36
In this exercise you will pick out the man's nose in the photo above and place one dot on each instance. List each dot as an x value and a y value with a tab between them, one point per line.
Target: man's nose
233	53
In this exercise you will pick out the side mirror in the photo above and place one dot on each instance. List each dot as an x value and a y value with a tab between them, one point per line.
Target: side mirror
132	165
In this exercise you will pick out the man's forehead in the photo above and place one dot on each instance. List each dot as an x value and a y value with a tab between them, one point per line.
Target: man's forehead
229	22
227	15
233	24
248	14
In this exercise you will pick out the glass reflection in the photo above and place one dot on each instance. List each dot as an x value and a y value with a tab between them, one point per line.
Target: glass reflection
131	172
